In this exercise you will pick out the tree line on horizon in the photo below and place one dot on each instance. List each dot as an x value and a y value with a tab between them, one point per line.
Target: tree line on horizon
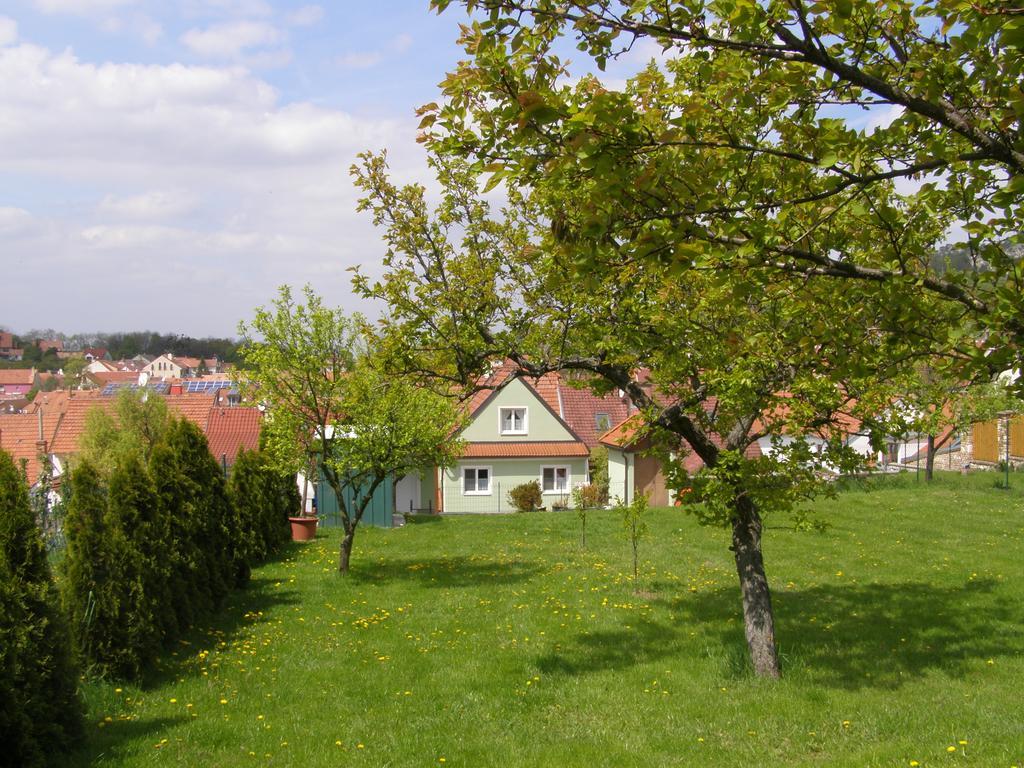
121	345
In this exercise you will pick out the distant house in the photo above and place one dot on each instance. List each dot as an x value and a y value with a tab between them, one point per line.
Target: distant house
169	366
45	345
17	381
96	353
103	378
7	349
99	365
519	430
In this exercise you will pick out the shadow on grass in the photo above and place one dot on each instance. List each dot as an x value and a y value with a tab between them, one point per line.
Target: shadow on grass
842	636
446	572
872	635
260	596
111	744
614	649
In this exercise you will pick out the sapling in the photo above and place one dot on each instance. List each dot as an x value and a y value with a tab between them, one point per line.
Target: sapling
635	526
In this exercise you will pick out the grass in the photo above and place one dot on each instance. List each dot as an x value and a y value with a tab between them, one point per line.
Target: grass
498	641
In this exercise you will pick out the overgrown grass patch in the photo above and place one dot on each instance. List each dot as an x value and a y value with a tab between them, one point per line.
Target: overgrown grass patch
482	641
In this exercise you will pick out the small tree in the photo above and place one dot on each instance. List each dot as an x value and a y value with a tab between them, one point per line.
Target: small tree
584	498
599	477
635	527
74	371
40	712
328	399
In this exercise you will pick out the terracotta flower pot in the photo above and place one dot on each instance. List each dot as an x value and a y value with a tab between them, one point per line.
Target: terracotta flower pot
303	528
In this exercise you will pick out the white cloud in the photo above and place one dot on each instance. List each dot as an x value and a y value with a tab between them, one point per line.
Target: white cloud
14	222
150	205
883	118
140	25
225	9
81	7
305	16
402	43
230	39
368	59
8	30
214	191
363	60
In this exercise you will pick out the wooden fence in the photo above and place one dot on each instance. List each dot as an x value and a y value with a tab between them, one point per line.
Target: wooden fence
985	436
1017	436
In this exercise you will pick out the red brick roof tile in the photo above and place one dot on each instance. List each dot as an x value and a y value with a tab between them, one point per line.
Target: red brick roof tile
19	436
231	429
581	407
11	377
525	450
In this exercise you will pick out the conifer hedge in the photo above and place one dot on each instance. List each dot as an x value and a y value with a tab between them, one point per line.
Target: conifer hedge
154	547
40	711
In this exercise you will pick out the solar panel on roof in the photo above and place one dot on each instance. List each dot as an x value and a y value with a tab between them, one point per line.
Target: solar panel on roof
206	386
160	387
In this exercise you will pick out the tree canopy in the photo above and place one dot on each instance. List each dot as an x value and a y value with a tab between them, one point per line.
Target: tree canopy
842	141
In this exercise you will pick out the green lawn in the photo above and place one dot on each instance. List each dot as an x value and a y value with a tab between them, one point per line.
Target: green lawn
499	642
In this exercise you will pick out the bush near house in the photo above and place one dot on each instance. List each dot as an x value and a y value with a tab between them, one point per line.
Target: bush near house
40	711
525	497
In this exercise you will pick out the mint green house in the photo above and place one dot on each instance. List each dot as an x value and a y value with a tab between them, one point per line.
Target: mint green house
516	434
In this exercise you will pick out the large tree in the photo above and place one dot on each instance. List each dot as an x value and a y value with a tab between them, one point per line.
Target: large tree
331	404
725	362
842	140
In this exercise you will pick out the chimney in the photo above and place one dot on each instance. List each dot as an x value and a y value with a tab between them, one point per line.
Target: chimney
41	441
175	389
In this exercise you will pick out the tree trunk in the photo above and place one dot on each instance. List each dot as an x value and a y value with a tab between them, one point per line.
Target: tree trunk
345	553
758	618
929	461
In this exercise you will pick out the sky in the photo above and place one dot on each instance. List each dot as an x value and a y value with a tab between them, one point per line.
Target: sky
166	164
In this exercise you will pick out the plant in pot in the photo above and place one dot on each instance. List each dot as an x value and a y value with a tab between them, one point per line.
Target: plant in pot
304	524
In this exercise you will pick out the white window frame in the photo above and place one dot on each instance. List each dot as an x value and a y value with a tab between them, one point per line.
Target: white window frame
568	479
501	420
476	480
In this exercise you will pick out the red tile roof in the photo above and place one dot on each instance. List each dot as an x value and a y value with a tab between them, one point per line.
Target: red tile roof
19	436
110	377
580	408
231	429
196	408
525	450
11	377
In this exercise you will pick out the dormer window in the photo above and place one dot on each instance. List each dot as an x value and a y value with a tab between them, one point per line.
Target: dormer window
513	421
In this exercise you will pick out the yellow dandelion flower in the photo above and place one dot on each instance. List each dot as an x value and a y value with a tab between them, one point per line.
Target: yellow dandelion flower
914	764
360	746
951	749
174	701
